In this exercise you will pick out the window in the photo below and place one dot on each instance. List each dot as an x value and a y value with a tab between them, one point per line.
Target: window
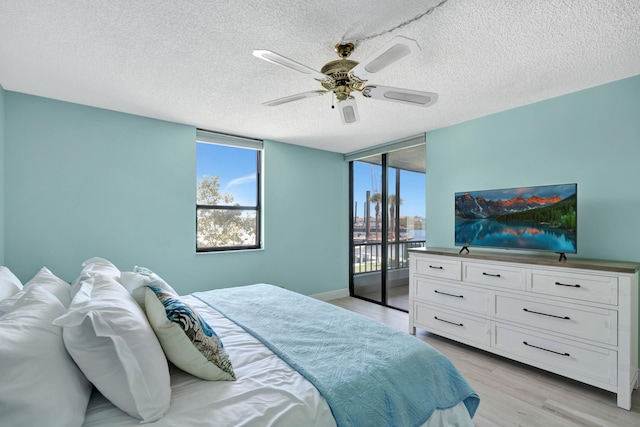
228	213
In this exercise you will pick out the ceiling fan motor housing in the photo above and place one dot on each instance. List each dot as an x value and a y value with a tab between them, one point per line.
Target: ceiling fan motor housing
341	81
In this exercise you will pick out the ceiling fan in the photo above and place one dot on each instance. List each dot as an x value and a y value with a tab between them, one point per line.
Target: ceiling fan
343	77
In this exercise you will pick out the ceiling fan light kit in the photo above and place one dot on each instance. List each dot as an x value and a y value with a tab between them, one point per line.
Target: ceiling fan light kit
348	111
344	76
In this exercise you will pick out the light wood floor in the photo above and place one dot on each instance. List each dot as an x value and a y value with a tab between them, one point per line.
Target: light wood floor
511	393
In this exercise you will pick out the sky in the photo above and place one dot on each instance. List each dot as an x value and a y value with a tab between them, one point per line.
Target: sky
412	189
236	170
235	167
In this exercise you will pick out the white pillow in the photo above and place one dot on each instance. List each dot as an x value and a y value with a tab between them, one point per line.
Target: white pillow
9	283
40	385
54	284
46	279
186	338
135	282
97	266
109	337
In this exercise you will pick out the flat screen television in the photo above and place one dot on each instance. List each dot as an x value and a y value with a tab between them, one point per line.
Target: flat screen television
541	218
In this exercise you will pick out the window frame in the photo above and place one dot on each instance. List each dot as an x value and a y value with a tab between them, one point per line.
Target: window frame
208	137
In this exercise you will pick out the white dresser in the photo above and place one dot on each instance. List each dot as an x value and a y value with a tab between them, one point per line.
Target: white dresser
577	318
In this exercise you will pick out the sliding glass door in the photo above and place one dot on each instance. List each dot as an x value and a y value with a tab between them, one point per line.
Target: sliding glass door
387	214
367	226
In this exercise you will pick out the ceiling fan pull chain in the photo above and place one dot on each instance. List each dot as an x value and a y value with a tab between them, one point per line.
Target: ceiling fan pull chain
407	22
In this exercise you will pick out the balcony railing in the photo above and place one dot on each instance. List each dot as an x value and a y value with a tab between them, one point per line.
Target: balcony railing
367	257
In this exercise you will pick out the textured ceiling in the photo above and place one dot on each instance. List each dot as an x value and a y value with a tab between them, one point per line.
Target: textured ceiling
190	61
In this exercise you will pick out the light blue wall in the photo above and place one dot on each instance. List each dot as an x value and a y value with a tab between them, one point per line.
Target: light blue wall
2	175
307	213
591	137
82	182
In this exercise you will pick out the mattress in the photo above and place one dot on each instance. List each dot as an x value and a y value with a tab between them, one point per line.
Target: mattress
267	391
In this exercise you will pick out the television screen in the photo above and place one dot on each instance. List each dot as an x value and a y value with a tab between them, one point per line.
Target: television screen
528	218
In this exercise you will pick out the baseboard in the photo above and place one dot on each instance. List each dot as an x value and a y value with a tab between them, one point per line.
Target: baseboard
327	296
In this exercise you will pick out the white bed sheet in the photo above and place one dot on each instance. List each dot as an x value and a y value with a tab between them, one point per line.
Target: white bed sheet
267	392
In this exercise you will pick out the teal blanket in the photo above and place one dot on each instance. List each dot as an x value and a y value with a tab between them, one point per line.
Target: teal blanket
369	374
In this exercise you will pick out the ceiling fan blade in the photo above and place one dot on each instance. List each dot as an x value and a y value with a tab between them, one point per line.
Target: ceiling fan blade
404	96
348	111
397	50
276	58
291	98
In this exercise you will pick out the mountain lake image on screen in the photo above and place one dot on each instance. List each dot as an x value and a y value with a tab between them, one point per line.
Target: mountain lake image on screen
528	218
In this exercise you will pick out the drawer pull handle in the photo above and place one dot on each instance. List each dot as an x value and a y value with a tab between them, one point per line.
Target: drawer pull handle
446	321
436	267
565	284
451	295
488	274
545	314
545	349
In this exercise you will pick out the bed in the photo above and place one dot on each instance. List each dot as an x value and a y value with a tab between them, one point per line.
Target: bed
283	359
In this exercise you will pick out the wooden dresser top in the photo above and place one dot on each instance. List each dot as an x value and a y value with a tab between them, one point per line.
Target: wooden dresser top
536	259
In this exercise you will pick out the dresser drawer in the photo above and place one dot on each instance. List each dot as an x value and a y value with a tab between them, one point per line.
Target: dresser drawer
436	267
494	275
595	324
447	294
571	359
585	287
467	328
